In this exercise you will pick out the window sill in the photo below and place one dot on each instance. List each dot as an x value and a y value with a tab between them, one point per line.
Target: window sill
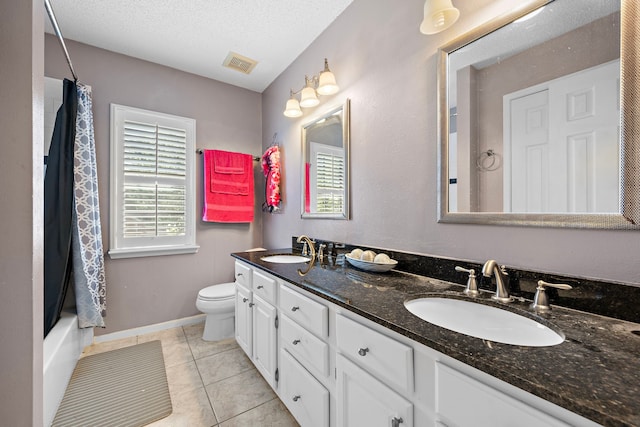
152	251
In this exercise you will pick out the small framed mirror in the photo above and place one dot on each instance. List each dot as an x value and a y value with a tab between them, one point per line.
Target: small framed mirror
325	165
533	127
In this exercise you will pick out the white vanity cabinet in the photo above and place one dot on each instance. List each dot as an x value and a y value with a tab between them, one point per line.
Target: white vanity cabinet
256	319
332	367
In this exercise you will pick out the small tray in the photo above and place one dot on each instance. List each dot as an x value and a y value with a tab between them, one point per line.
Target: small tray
370	265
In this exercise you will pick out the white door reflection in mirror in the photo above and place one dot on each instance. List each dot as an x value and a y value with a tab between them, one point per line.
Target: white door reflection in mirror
562	144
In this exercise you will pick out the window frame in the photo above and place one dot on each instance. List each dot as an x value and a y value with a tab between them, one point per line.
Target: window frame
119	246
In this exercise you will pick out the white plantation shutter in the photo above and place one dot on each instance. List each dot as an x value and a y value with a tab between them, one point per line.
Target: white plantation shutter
329	179
330	182
154	178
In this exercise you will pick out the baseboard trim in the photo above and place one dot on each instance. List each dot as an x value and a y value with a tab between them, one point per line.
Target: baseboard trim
185	321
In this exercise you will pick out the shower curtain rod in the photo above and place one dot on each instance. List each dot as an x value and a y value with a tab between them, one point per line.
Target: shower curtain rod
56	28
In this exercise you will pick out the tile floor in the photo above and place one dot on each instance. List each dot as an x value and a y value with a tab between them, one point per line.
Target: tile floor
211	383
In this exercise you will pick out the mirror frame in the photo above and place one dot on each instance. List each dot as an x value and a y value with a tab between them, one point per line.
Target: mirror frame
346	124
629	218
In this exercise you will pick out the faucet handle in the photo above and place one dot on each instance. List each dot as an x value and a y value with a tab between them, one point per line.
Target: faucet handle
321	249
541	300
472	284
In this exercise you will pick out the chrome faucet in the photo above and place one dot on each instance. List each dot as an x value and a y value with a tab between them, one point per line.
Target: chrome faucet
310	243
502	280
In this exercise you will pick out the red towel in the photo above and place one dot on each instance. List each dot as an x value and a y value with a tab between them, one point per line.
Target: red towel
228	187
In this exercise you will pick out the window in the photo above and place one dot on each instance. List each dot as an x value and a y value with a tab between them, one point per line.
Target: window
328	191
152	183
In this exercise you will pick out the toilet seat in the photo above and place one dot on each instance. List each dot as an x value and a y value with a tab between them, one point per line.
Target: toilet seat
224	291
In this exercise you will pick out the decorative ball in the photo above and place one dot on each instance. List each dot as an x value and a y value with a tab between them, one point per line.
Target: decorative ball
356	253
382	259
368	256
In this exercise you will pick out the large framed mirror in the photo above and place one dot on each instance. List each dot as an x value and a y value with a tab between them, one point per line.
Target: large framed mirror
536	118
325	165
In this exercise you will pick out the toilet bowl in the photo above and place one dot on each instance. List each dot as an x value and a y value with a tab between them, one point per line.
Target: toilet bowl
218	303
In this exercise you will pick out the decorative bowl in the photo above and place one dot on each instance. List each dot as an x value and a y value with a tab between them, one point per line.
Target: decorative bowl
370	265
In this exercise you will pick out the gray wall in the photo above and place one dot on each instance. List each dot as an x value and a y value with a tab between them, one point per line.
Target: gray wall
144	291
388	69
21	195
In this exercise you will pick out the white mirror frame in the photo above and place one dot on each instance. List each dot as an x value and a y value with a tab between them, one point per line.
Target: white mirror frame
629	218
346	120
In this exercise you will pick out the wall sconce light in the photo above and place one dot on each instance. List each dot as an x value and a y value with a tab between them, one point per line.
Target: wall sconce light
322	84
438	16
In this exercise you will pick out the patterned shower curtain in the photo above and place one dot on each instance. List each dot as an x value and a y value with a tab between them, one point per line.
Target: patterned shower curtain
88	259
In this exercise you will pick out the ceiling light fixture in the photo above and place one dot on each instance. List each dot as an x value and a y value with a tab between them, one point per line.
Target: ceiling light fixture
322	84
438	16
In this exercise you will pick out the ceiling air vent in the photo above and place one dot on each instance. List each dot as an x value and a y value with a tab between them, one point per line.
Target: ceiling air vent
239	63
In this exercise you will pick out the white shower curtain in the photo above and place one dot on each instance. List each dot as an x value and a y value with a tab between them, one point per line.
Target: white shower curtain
88	259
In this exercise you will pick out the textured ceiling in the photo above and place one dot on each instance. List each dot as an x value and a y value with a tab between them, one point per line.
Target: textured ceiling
196	35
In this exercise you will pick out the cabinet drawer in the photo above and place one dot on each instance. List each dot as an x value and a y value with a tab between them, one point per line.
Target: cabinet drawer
485	406
306	312
305	397
311	351
384	357
265	286
243	274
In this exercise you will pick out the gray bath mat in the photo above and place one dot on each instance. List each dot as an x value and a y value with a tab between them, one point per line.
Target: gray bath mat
124	387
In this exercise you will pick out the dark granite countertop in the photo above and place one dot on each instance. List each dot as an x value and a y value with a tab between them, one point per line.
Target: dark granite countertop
595	372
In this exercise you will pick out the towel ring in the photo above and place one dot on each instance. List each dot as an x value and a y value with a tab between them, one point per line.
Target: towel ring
489	161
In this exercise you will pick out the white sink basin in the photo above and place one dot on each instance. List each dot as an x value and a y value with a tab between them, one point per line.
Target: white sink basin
484	321
285	259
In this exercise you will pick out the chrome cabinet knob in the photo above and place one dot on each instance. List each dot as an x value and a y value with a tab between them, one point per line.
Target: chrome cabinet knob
363	351
295	308
245	299
396	421
295	342
251	304
296	398
260	286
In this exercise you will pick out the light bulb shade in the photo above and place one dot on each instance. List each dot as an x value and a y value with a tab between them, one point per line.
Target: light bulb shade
327	83
438	16
308	97
293	108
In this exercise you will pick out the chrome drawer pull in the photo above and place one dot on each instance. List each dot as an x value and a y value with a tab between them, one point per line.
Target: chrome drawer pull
395	422
295	342
296	398
295	308
363	351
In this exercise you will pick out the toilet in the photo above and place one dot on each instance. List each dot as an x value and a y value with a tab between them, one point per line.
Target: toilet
218	303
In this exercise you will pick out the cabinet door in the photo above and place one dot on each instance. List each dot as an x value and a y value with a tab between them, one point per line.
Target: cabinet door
362	400
264	339
465	402
244	321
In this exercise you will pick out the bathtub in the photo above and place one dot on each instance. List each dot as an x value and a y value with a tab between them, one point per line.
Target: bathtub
61	350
